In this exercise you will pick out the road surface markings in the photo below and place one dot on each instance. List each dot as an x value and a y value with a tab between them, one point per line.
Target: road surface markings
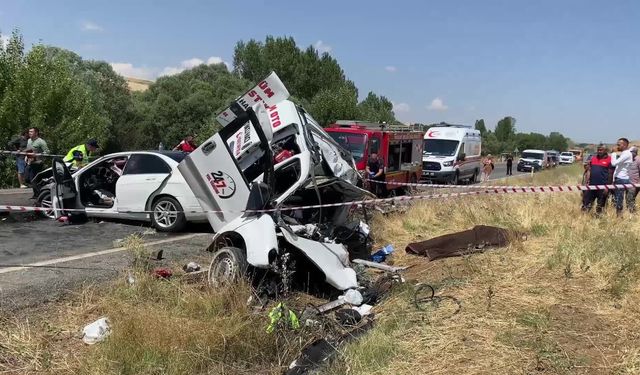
96	253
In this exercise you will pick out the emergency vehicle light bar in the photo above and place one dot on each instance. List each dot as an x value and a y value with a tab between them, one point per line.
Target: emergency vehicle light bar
371	125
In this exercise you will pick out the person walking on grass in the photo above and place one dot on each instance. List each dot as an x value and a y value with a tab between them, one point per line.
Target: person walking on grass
622	160
487	168
634	177
19	144
598	172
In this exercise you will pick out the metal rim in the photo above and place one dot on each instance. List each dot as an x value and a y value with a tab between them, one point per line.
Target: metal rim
48	206
165	214
223	269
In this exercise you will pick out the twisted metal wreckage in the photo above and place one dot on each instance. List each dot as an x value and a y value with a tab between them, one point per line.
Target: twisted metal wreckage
271	154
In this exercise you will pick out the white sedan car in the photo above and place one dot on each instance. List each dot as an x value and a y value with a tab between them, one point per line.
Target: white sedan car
137	185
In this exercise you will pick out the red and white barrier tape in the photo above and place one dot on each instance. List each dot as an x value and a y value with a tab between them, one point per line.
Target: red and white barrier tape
542	189
30	154
482	190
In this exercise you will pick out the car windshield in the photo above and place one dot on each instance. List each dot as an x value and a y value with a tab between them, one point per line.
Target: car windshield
440	147
355	143
532	155
566	154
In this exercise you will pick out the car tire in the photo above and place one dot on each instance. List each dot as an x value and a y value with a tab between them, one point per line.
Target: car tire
229	265
456	179
474	178
164	216
44	201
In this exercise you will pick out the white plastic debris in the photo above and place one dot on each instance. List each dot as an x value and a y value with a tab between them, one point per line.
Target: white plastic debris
352	297
130	279
363	309
364	228
192	267
96	331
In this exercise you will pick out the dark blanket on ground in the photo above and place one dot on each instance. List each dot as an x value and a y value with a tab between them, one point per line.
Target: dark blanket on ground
469	241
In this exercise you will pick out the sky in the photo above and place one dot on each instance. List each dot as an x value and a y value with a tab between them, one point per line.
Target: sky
565	65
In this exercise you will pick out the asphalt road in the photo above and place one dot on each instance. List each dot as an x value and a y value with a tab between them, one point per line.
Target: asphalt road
42	260
500	171
61	258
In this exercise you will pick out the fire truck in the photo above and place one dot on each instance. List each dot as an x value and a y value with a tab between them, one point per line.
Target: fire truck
397	145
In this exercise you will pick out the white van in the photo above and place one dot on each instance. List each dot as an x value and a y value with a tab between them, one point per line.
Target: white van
533	160
451	153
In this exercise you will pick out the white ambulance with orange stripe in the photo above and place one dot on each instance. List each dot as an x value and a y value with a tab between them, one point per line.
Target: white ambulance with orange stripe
451	154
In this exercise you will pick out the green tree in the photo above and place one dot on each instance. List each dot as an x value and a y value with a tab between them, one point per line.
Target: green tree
182	104
376	108
557	141
506	129
481	127
330	105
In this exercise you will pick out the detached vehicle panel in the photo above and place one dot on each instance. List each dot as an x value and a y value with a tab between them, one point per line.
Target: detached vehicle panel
251	177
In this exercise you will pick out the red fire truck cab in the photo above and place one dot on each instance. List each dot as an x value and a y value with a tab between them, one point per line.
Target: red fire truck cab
397	145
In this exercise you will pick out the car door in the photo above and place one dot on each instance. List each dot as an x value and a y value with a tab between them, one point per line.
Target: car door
143	174
64	194
220	177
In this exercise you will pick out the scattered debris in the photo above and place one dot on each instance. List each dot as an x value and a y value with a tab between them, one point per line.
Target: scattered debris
96	331
474	240
118	242
352	297
384	267
348	317
130	279
191	267
162	273
364	309
157	255
320	352
381	255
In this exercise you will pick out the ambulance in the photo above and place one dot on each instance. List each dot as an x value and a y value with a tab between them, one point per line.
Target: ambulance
451	154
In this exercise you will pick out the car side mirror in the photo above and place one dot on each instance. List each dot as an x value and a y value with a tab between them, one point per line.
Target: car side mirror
462	156
259	196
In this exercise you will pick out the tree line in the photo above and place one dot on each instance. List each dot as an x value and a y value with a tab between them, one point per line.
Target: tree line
505	139
71	99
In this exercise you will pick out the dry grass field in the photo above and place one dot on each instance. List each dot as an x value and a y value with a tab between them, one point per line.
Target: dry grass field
563	301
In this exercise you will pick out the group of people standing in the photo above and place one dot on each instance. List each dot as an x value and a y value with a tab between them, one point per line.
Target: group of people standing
31	150
620	167
28	161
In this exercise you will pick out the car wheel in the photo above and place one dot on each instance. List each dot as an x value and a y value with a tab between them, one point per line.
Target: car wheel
229	264
44	201
474	178
167	215
456	179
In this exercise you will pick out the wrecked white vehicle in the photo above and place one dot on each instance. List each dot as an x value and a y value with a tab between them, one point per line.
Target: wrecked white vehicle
253	176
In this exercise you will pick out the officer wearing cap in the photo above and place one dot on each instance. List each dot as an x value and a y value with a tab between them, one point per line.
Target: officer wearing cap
78	156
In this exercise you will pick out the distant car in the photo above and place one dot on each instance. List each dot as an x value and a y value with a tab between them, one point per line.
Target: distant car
535	160
567	158
137	185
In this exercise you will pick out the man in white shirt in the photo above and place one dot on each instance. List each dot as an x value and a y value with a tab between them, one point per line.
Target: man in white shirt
622	160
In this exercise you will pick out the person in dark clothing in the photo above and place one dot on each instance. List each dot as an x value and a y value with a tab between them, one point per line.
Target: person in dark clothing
376	172
509	165
599	172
